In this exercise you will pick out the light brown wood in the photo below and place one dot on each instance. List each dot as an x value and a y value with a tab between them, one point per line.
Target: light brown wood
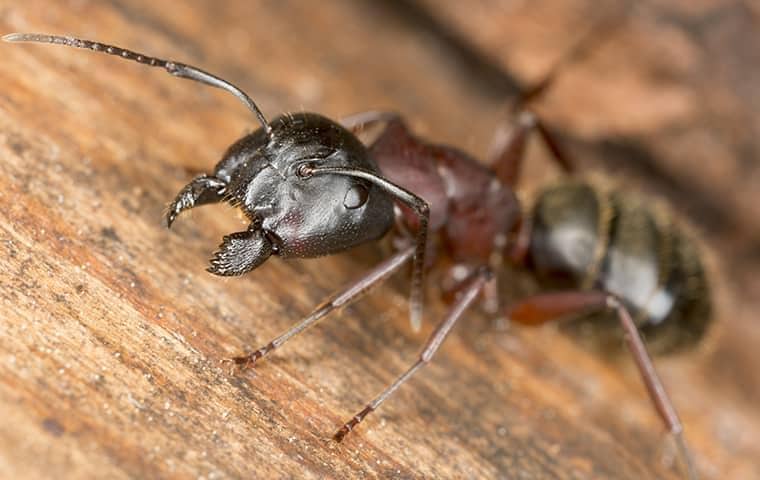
113	332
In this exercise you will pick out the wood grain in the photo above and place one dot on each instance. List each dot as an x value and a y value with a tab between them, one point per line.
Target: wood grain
113	332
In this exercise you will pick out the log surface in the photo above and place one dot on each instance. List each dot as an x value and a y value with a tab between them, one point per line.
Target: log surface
112	332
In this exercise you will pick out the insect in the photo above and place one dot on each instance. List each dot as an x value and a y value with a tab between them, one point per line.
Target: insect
309	187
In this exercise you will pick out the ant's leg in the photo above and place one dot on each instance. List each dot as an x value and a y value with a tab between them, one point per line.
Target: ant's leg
551	306
546	307
508	147
362	120
654	385
201	190
469	294
520	243
421	209
352	293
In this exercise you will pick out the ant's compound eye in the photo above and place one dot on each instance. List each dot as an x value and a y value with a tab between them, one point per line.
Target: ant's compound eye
356	196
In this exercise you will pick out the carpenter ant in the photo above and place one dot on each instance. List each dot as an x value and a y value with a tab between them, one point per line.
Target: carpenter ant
310	187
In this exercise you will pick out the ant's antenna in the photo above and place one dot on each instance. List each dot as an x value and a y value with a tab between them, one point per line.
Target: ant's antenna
421	209
175	68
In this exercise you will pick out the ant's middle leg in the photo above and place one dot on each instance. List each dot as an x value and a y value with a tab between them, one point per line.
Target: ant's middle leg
347	296
469	294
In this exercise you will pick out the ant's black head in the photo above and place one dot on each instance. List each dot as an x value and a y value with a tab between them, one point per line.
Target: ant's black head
270	175
306	183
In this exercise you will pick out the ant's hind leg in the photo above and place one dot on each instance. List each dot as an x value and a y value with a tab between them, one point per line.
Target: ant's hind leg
657	392
201	190
355	291
542	308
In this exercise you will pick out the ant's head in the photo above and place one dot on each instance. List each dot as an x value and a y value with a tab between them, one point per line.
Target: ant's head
306	183
275	176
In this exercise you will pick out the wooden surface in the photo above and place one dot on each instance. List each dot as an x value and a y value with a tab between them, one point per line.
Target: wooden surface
113	332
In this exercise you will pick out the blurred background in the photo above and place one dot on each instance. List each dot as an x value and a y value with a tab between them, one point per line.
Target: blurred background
665	101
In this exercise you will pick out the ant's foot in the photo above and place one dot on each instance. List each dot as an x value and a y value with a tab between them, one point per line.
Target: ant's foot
239	364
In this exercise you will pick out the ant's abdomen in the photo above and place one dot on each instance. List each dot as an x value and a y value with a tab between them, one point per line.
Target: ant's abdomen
584	238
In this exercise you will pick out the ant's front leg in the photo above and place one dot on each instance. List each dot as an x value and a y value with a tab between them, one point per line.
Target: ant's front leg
201	190
355	291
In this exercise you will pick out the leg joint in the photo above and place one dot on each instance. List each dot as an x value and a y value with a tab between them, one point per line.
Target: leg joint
527	119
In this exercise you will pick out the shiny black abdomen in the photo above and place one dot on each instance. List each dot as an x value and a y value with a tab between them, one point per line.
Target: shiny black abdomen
589	239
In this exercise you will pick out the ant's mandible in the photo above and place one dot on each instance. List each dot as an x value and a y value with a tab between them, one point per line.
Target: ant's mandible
310	187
